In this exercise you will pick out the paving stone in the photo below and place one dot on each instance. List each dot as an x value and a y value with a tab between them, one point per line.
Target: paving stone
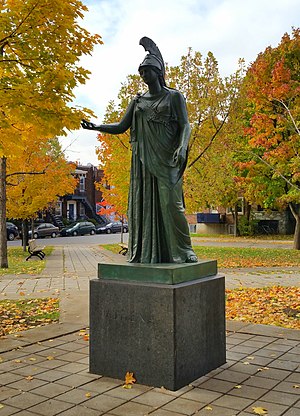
52	363
154	398
248	392
235	356
284	365
280	398
220	386
264	352
253	343
27	385
201	395
233	376
243	349
272	408
245	368
287	387
104	384
127	394
76	396
28	370
73	367
186	407
52	375
217	411
104	403
232	402
6	392
24	400
291	357
51	390
163	412
274	373
74	380
295	377
80	411
262	382
51	407
292	412
132	409
72	356
7	378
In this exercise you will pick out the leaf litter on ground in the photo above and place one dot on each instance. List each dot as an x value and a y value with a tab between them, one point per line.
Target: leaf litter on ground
22	314
275	305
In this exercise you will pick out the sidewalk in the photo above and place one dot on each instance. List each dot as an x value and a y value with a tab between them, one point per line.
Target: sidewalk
45	371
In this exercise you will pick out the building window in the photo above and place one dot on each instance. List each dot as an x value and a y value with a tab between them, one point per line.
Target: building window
240	204
82	183
58	208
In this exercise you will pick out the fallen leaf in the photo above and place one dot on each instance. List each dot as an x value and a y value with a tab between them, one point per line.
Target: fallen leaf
1	406
50	357
86	337
29	378
129	378
18	361
208	408
296	386
1	360
21	293
251	358
32	359
87	394
246	363
238	387
260	410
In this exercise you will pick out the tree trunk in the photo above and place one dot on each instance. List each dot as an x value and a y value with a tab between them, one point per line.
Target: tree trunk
295	209
236	221
24	234
3	235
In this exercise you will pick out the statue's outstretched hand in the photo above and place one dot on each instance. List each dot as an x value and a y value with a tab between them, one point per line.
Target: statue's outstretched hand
88	125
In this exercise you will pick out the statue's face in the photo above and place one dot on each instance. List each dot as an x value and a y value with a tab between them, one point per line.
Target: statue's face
148	74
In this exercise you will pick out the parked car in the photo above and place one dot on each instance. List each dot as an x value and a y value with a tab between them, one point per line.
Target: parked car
79	228
11	231
112	227
44	230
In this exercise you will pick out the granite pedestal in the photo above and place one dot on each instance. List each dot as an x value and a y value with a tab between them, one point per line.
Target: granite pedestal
168	333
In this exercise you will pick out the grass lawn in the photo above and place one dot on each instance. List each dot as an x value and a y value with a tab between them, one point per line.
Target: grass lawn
232	257
19	315
18	265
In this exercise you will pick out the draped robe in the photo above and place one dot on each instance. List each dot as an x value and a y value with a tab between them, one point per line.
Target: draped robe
159	230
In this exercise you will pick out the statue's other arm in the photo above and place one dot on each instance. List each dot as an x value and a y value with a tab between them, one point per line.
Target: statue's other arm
113	128
179	106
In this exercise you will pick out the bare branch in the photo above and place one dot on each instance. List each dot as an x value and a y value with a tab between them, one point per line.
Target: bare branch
27	173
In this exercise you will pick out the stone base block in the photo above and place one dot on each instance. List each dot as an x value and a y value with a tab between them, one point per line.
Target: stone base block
167	335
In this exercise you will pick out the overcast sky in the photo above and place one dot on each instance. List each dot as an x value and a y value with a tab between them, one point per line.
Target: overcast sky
230	29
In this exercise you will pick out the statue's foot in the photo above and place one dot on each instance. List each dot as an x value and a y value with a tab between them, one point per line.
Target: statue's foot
192	259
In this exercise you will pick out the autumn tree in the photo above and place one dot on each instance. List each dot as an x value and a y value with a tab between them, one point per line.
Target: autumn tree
41	43
271	165
114	151
210	102
48	176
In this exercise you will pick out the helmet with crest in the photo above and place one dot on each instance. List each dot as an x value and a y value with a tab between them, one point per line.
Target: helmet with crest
153	58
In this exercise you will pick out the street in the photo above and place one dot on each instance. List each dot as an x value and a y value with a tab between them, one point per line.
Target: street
83	240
